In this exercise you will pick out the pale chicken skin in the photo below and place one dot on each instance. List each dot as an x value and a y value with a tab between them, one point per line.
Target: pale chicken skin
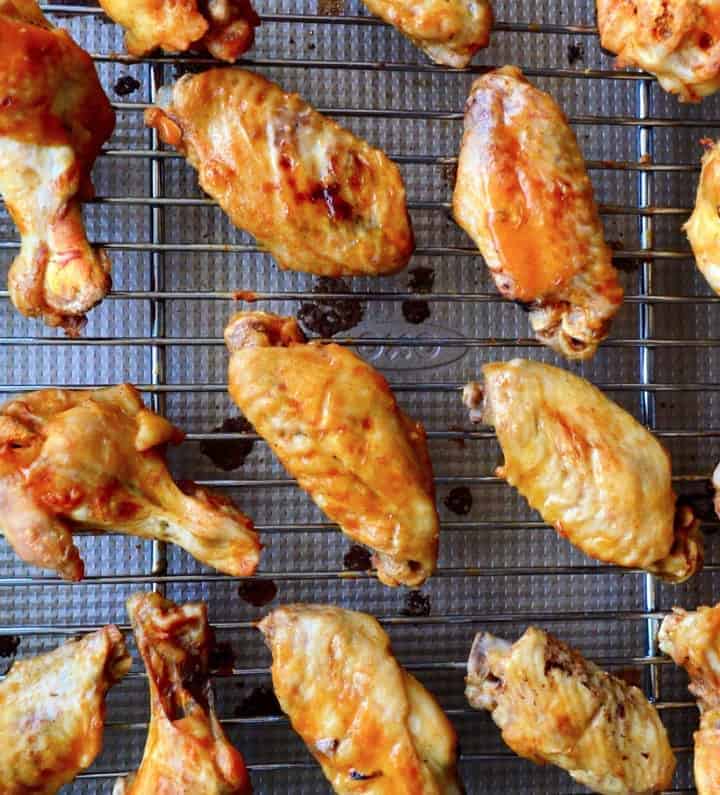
553	706
703	228
588	467
54	118
223	28
187	752
692	639
318	198
335	425
52	712
449	31
372	726
95	459
678	41
523	195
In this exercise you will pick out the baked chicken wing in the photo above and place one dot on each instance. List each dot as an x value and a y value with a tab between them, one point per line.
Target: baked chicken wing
336	427
588	467
223	28
187	752
371	725
52	711
693	641
75	459
554	706
523	195
678	41
703	228
54	118
449	31
318	198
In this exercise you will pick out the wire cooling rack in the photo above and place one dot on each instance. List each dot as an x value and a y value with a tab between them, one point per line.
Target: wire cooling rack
176	264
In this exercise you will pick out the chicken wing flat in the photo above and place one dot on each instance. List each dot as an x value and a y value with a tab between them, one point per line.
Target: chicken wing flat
187	752
692	639
449	31
223	28
678	41
588	467
73	459
554	706
523	195
54	118
371	725
703	228
336	427
52	711
318	198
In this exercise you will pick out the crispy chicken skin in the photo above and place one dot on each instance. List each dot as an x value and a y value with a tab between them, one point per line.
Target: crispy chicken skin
187	752
52	711
371	725
523	195
676	40
703	228
223	28
54	118
588	467
692	639
79	459
449	31
554	706
336	427
318	198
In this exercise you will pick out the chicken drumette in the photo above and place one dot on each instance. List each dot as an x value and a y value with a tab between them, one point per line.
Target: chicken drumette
54	118
76	459
703	228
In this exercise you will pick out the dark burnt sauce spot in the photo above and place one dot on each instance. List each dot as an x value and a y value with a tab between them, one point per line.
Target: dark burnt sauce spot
9	645
701	503
620	709
416	604
228	454
415	311
338	209
575	53
357	558
526	306
222	659
459	500
126	85
422	279
329	316
356	775
631	676
257	592
258	702
331	8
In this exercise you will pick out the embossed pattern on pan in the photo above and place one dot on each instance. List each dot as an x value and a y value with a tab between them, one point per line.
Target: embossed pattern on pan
176	262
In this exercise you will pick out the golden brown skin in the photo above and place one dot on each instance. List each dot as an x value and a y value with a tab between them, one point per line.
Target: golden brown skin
336	427
588	467
692	639
54	118
676	40
223	28
318	198
703	228
79	459
523	195
187	752
449	31
52	711
373	727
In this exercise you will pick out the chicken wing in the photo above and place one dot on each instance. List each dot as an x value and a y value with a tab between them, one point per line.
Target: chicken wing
554	706
678	41
187	752
52	710
693	641
75	459
54	118
371	725
703	228
223	28
523	195
449	31
336	427
588	467
318	198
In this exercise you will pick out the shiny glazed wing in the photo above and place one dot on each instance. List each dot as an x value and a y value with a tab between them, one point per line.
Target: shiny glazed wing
223	28
76	459
52	711
372	726
554	706
676	40
54	118
318	198
449	31
336	427
523	195
187	752
588	467
703	228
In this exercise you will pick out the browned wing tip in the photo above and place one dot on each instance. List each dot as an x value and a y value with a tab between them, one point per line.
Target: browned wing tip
119	660
473	396
687	553
261	330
